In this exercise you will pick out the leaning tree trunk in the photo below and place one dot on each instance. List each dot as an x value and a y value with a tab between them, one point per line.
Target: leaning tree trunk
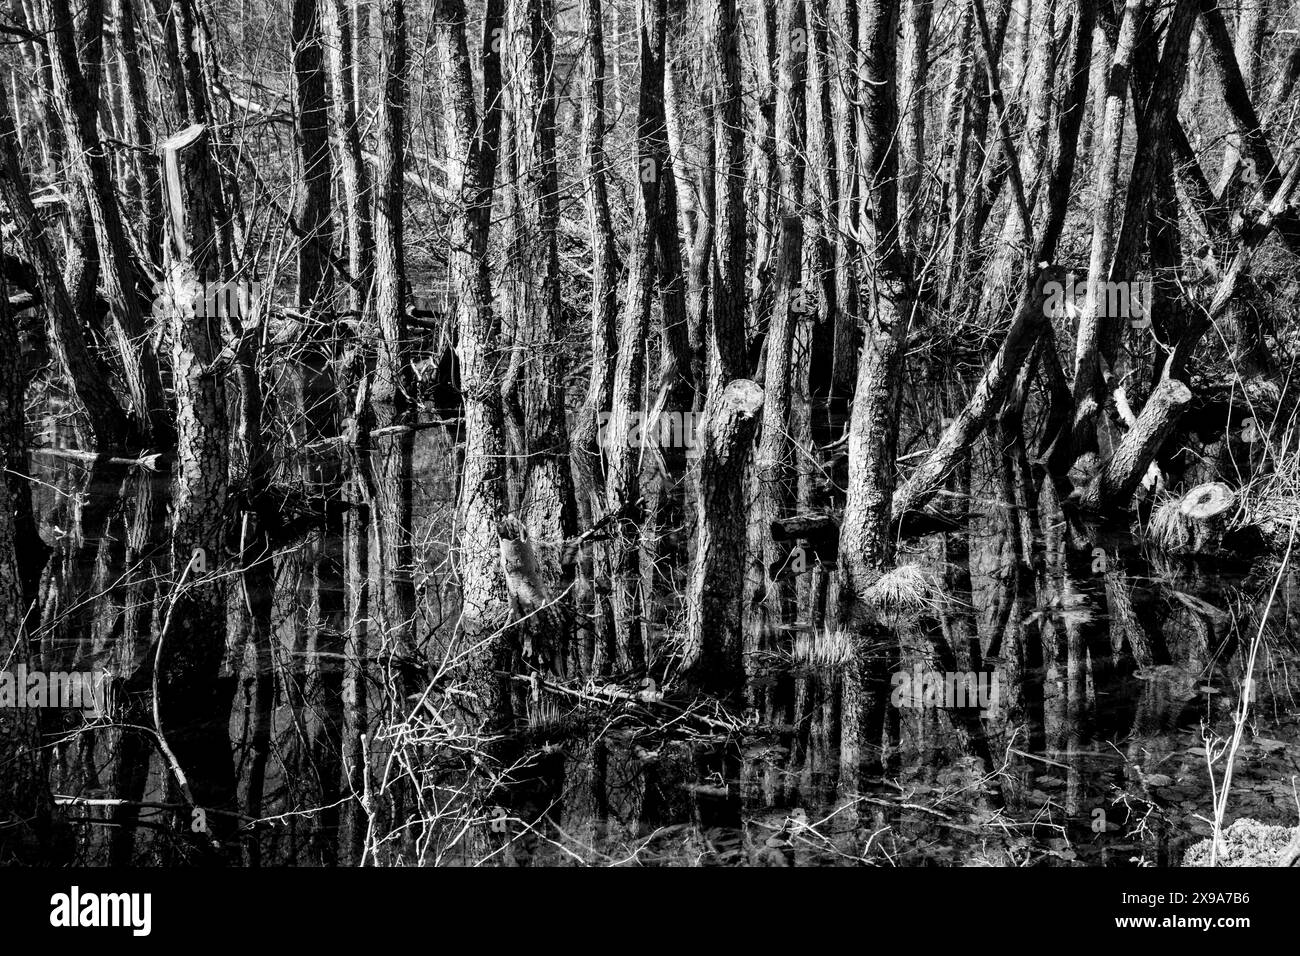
1094	325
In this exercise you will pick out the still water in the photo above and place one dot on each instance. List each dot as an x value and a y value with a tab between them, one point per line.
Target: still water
1053	759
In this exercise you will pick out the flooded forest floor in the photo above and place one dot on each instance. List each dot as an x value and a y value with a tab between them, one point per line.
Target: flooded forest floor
1100	742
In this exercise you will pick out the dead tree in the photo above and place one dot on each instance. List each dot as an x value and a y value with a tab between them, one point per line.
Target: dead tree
1118	478
193	700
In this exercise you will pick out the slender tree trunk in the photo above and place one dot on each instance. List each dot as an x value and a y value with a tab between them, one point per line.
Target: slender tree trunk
769	603
914	95
135	98
1094	325
392	586
634	331
726	338
587	447
1252	17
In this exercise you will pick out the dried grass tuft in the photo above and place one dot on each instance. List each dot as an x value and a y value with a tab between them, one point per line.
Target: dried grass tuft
905	591
1170	529
824	648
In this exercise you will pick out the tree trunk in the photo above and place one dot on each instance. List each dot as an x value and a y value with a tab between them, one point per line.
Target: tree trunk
391	561
629	375
726	337
587	448
86	378
549	506
471	170
711	660
866	545
80	101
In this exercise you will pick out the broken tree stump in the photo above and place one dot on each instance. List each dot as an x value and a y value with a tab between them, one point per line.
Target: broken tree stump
1207	509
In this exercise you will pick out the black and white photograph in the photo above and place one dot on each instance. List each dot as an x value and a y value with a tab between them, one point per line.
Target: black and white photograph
484	435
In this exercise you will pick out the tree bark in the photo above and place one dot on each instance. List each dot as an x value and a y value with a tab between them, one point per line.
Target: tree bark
1094	325
866	545
711	660
1118	478
80	105
623	486
86	378
726	360
472	150
550	510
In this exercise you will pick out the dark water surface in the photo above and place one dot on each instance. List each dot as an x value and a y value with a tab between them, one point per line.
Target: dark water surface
1082	765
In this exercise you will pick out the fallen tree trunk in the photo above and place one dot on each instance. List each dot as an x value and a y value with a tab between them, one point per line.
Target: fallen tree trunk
1115	483
985	401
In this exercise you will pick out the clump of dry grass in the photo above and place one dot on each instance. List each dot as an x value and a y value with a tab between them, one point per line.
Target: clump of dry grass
904	592
1169	529
1272	501
823	648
